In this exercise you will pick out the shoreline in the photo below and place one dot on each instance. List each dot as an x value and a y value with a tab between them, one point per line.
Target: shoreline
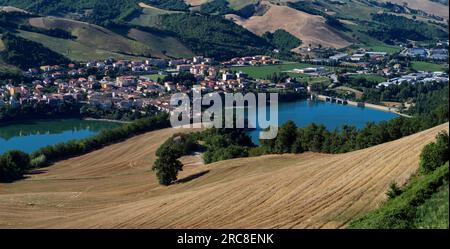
368	105
107	120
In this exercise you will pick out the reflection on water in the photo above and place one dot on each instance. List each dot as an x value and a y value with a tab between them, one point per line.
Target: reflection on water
32	135
331	115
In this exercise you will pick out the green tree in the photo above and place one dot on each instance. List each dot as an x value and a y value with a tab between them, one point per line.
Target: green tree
167	167
394	190
287	135
13	165
435	154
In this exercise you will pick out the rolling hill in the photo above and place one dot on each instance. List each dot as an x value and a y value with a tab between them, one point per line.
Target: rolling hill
115	188
92	42
311	29
335	24
110	43
431	7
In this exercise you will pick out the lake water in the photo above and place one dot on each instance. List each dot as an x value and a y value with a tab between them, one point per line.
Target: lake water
331	115
30	136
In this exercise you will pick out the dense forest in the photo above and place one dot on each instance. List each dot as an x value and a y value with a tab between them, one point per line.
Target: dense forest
399	28
94	11
26	54
213	36
308	7
282	40
218	7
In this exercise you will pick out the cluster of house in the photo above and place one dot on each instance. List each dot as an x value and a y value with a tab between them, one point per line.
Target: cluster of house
132	88
413	78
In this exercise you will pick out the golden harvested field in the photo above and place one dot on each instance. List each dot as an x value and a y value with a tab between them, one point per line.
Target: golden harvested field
115	188
310	29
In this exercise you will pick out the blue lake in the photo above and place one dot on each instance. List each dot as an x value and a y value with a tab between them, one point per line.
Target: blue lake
331	115
30	136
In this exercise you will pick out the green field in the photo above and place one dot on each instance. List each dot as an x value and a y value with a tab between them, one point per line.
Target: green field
427	66
262	72
369	77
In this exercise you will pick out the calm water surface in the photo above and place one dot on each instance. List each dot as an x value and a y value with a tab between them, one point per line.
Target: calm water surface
331	115
30	136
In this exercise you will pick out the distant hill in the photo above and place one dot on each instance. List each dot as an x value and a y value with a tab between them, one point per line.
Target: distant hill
311	29
186	27
84	41
434	7
104	40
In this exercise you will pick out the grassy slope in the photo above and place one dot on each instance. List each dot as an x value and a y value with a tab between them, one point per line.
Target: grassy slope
94	36
419	206
427	66
114	187
434	213
94	42
171	45
73	49
148	15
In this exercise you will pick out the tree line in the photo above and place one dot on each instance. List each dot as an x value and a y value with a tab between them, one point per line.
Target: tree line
13	164
224	144
317	138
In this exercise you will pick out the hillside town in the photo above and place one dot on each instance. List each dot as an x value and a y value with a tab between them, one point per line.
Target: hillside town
136	84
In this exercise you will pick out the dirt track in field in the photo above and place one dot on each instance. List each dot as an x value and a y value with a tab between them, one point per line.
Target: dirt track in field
115	188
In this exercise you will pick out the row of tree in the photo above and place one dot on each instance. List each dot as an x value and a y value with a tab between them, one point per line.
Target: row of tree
13	169
317	138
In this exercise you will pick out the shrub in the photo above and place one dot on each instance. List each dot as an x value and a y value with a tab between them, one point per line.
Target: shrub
38	162
434	154
13	165
394	190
